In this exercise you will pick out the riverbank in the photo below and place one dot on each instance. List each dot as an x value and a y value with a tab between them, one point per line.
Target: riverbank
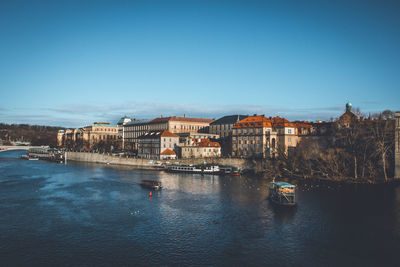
152	164
258	167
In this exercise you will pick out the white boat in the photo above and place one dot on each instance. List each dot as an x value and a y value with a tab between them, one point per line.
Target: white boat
195	169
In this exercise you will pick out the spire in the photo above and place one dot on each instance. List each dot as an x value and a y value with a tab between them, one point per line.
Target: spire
348	107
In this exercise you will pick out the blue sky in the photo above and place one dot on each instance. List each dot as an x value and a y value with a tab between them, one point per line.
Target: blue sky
70	63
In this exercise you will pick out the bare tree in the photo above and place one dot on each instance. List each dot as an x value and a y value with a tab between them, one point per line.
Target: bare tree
381	136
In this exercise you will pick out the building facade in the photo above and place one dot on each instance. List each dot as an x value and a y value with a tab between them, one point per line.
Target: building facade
121	130
259	136
180	124
348	117
200	148
158	145
223	127
99	135
132	131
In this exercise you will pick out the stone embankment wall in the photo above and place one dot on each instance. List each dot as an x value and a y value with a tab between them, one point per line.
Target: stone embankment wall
255	165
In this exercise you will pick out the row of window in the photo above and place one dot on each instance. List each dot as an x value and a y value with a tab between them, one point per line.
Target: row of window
222	126
247	138
251	130
204	149
189	127
105	129
257	146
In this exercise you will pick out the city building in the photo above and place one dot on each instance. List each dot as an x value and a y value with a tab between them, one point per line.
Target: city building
184	137
158	145
132	131
99	135
60	138
259	136
183	124
347	118
121	130
200	148
223	127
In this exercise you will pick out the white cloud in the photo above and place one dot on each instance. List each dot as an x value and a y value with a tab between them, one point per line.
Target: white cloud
78	115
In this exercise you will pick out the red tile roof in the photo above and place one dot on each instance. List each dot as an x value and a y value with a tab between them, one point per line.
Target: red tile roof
262	121
253	122
168	152
207	143
166	133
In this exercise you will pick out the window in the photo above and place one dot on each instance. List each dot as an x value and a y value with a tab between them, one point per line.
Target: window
289	131
290	139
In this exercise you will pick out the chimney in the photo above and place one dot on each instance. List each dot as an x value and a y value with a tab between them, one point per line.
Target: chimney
184	115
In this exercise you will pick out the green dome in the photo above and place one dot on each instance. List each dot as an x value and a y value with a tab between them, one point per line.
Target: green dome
348	104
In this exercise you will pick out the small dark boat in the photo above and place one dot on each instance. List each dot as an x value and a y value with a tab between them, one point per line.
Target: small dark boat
150	184
282	193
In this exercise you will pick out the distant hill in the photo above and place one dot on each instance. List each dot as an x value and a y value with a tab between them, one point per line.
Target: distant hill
37	135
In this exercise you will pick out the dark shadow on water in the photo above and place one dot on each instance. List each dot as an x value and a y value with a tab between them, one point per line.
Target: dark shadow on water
283	214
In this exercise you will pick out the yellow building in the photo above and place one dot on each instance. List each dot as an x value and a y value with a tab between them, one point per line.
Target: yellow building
259	136
98	133
200	148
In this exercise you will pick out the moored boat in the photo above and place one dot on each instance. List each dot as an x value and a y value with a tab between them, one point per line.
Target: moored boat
150	184
195	169
282	193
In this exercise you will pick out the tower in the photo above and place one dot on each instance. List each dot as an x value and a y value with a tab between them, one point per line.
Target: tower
348	107
397	147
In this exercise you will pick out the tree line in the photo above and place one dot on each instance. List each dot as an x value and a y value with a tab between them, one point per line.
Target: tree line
37	135
362	151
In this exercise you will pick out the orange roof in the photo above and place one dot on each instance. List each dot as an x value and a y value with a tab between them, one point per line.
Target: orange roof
262	121
168	152
302	124
253	121
207	143
281	122
166	133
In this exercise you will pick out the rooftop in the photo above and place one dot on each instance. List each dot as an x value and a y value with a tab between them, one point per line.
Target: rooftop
185	119
168	152
262	121
231	119
157	134
137	122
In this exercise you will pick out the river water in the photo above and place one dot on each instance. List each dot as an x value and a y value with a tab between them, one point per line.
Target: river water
85	214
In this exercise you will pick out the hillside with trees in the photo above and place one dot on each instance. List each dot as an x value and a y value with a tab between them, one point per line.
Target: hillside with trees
37	135
360	152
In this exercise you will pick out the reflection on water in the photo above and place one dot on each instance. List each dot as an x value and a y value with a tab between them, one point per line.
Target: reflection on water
88	214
